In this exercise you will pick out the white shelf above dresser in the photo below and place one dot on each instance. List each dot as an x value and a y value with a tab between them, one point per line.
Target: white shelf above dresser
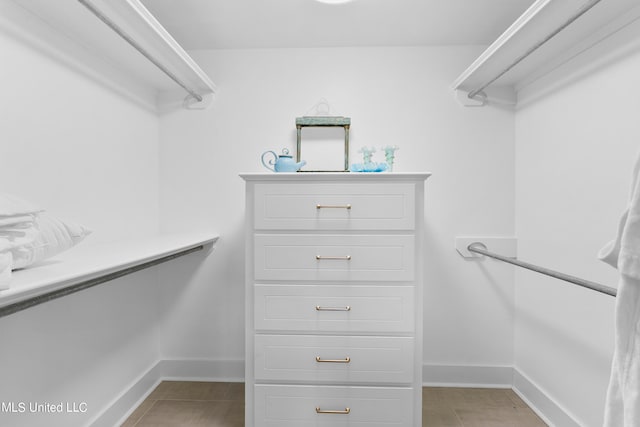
68	31
546	36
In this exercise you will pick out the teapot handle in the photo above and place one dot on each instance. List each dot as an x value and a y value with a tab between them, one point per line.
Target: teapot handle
272	162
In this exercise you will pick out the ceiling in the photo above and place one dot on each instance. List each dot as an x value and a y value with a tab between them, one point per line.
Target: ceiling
244	24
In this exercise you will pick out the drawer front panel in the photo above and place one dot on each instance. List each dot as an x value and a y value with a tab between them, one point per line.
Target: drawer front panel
334	308
334	257
309	406
326	206
342	359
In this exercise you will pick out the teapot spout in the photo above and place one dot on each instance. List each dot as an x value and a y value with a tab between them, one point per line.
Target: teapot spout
300	164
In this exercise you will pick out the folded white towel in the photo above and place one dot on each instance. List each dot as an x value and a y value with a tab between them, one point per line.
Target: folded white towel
6	262
622	408
19	221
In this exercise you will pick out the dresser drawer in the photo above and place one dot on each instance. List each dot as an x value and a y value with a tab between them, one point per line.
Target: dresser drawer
318	406
334	257
332	308
341	359
327	206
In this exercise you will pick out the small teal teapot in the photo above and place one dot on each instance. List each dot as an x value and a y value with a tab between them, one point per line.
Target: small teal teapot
282	163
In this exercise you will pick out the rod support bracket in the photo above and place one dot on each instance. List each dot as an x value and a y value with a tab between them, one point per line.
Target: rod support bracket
191	103
503	245
462	96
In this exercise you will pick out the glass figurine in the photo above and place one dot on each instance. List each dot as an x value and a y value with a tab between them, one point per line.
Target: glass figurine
367	152
389	154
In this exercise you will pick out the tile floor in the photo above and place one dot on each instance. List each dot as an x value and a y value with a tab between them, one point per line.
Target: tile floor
209	404
475	407
191	404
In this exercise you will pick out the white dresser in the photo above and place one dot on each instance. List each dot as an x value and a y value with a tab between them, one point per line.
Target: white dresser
334	299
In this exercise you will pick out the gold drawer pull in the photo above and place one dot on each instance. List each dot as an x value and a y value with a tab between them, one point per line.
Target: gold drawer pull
333	206
345	360
345	411
346	257
347	308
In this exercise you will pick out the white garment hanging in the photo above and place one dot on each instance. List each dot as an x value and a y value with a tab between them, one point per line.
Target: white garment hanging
622	408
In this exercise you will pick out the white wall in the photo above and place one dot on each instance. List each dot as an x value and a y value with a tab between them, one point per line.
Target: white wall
87	155
396	96
574	155
75	148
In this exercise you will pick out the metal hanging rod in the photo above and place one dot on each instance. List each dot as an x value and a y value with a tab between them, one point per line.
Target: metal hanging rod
139	48
478	92
480	248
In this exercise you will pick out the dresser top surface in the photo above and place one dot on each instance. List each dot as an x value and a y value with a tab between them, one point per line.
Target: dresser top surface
335	176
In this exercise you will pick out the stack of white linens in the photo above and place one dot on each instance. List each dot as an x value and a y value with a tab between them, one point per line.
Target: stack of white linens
28	235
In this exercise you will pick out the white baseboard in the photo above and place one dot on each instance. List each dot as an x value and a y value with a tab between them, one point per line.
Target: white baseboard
432	375
130	399
202	370
467	376
542	404
171	370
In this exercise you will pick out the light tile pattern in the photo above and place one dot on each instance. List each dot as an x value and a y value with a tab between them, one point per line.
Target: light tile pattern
212	404
191	404
475	407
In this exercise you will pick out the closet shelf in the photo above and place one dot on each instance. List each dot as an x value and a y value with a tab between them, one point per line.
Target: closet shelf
543	38
119	43
87	265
